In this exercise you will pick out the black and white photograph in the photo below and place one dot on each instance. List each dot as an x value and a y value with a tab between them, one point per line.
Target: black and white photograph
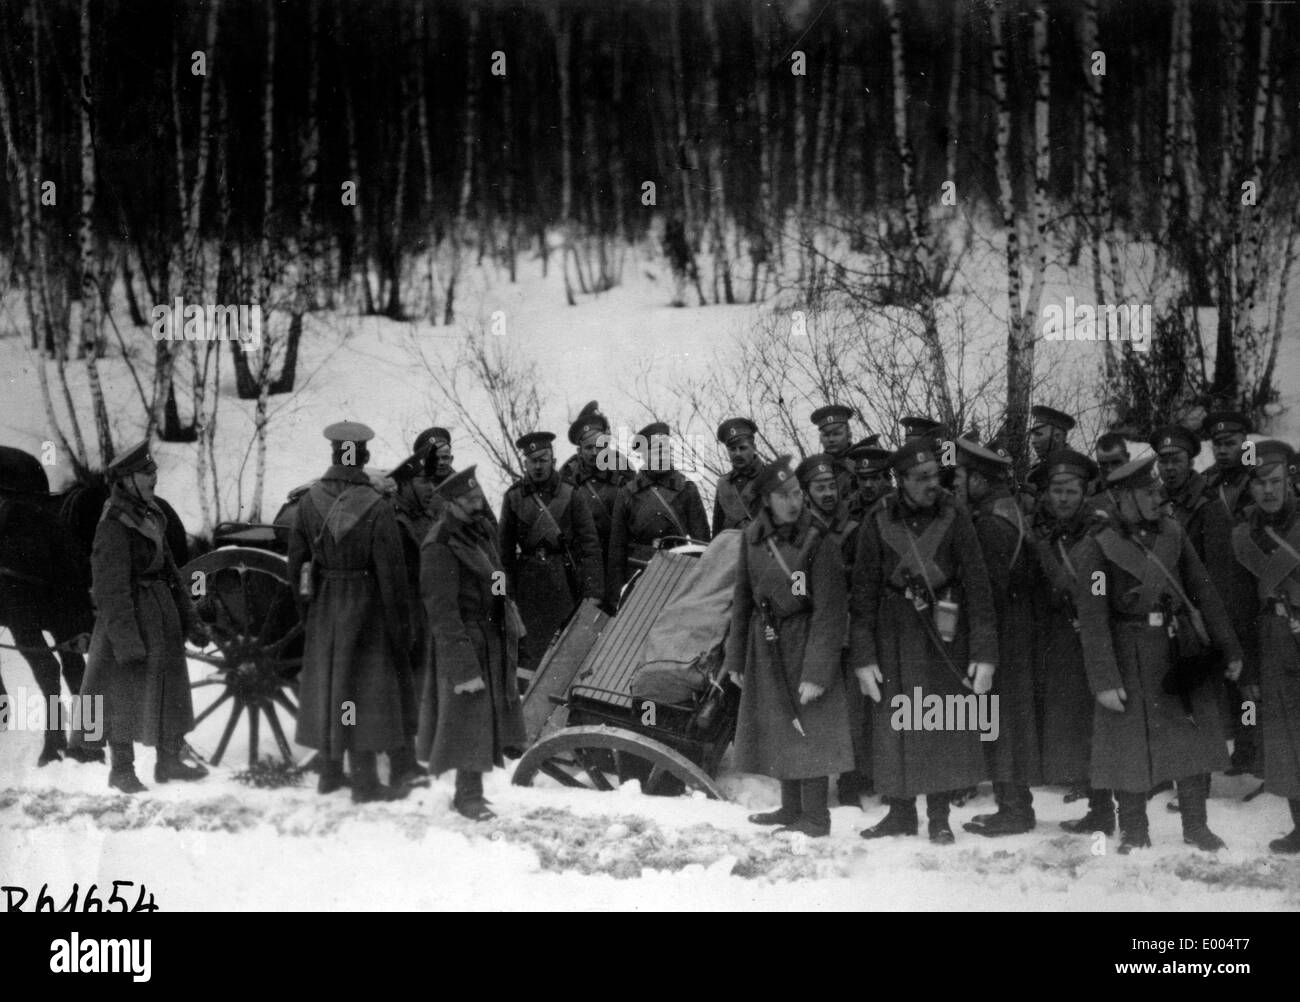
651	456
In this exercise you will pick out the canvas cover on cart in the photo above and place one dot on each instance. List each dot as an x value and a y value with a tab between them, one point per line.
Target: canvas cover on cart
686	636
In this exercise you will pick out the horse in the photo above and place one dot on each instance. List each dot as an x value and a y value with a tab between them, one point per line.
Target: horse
45	545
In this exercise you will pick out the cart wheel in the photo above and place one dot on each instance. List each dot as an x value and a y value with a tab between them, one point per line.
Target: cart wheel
256	649
602	758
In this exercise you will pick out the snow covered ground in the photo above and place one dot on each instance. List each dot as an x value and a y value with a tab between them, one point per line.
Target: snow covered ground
219	844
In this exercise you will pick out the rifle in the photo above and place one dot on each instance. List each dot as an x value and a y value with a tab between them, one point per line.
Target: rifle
774	648
576	586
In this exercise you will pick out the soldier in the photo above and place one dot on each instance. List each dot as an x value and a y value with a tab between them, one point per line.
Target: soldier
433	446
918	549
597	472
784	650
658	502
871	469
1226	488
1153	724
1065	703
137	650
736	500
984	483
345	558
831	516
1048	429
549	547
1111	454
1267	545
411	509
471	718
1176	448
833	429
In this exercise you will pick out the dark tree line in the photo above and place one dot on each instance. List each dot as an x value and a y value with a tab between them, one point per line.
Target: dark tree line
486	130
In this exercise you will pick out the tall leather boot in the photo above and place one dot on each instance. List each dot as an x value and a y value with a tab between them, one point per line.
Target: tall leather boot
936	811
901	819
1290	844
1100	816
366	787
1133	829
1014	816
815	816
404	770
332	776
1193	792
468	800
121	773
790	809
168	764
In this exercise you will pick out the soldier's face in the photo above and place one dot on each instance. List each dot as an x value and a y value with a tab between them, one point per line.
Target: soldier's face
472	502
1143	502
442	469
1109	461
741	453
835	437
1042	438
872	486
145	482
659	453
1065	497
823	494
589	450
1270	489
1227	449
540	464
1175	467
785	504
921	484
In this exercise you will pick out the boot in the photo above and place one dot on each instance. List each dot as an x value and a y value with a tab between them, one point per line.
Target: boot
851	787
1014	816
791	806
169	765
936	810
53	748
1289	845
1134	833
84	753
468	800
1193	792
815	816
403	770
901	819
1100	816
366	787
121	773
332	776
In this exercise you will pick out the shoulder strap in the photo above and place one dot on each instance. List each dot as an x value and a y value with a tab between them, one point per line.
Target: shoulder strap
915	555
552	513
1009	511
668	509
733	504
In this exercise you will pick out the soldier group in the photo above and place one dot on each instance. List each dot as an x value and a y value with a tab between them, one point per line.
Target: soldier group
1103	603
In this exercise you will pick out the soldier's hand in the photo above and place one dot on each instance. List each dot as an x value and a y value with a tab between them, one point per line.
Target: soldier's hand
1113	699
982	674
1234	671
869	681
769	634
473	685
739	679
199	635
808	691
1250	692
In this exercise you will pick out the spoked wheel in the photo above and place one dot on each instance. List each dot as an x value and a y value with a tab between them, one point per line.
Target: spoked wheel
602	758
256	650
